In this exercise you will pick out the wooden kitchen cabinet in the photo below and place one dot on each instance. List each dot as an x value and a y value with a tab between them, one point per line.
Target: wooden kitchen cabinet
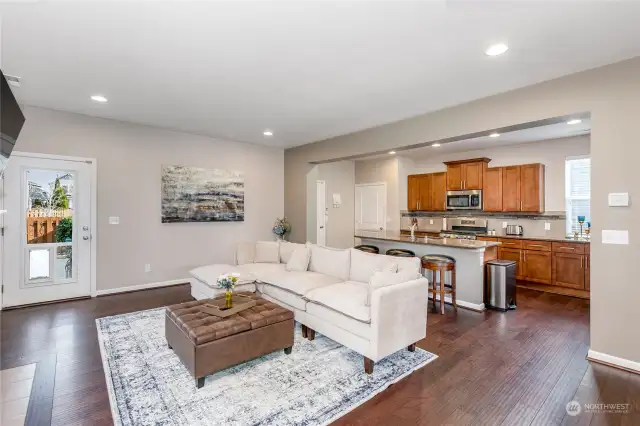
466	174
569	270
492	192
536	266
514	255
439	191
413	188
532	188
587	269
523	188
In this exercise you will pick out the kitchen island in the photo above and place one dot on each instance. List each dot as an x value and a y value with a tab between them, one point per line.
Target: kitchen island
469	256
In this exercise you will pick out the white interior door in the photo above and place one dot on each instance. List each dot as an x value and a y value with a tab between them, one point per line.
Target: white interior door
47	229
371	207
321	213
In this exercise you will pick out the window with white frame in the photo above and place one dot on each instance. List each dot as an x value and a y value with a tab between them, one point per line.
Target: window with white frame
577	192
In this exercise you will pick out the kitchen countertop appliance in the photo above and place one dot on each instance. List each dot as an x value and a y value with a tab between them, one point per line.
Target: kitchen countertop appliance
514	230
466	228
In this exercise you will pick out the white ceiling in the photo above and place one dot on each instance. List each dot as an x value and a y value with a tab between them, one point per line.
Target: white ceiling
552	131
308	70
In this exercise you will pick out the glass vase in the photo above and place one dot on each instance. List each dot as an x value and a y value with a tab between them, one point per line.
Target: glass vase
228	299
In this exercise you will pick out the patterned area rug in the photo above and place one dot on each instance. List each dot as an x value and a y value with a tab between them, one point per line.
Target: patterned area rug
319	382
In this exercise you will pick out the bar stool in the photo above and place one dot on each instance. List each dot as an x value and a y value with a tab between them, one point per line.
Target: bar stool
367	248
400	253
442	264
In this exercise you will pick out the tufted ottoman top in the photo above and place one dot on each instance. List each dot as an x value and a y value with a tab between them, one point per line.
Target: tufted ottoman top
201	327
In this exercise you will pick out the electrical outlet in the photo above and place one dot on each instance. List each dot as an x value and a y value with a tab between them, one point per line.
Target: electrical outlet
504	225
430	221
147	267
547	226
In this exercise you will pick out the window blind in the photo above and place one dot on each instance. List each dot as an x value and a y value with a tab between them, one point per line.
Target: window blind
578	192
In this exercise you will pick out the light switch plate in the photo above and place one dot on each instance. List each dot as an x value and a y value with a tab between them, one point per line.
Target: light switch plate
619	199
114	220
615	237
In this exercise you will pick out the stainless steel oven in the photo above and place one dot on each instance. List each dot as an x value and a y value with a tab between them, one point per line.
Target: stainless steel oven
464	200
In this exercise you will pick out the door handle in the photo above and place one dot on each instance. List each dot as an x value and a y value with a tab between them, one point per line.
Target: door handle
322	227
86	237
85	228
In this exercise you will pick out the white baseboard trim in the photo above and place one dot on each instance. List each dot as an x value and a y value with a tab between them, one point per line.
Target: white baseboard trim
141	287
614	361
462	304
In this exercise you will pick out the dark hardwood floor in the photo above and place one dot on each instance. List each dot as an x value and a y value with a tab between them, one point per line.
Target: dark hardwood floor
518	368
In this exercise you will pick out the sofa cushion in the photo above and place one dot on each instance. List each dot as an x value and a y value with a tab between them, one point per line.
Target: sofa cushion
348	298
299	283
260	269
384	279
287	249
329	261
245	253
284	296
204	290
343	322
299	260
267	252
209	274
408	264
363	265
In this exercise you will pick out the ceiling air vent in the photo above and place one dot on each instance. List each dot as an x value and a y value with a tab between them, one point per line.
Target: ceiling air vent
12	80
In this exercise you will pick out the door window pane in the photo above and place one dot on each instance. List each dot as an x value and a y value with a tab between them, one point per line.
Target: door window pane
50	206
39	266
63	263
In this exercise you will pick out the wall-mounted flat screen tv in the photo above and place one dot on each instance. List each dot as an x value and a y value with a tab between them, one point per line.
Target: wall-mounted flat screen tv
11	121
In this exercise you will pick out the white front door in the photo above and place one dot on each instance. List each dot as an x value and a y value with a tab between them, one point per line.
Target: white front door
321	213
47	229
371	207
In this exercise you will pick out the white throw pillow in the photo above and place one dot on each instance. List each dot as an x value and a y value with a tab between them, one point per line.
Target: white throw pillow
384	279
267	252
299	260
245	253
363	265
330	261
287	249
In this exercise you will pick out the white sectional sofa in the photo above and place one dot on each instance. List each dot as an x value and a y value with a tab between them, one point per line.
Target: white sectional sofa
373	304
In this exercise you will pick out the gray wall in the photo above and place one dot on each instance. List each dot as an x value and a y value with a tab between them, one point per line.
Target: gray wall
611	95
129	161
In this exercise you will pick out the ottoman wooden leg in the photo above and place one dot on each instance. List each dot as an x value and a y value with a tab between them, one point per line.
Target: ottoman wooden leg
287	351
169	346
412	348
368	365
311	333
305	331
200	382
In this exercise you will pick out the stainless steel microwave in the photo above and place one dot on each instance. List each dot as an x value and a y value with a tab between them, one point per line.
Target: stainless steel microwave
464	200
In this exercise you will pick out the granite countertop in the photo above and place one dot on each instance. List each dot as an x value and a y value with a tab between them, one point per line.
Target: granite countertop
552	238
428	241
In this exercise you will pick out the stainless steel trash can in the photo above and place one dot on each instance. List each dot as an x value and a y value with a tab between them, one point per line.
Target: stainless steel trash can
501	285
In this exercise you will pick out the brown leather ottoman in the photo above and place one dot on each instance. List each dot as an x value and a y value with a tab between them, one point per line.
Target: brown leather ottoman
206	344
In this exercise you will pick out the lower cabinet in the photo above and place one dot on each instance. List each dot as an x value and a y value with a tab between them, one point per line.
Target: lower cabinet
569	270
514	255
536	266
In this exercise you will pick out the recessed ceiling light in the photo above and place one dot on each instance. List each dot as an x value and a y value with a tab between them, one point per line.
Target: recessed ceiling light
576	121
497	49
392	152
267	133
435	145
99	98
494	135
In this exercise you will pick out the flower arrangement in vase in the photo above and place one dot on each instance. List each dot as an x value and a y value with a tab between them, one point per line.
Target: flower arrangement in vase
281	227
228	282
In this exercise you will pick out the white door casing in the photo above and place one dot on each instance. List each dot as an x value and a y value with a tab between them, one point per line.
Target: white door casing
79	280
371	206
321	213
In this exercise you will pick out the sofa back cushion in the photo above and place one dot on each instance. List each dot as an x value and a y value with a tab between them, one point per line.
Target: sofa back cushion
363	265
329	261
245	253
408	264
287	249
299	260
267	252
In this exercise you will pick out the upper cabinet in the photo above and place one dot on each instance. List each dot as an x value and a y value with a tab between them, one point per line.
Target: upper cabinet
465	174
523	188
427	192
492	192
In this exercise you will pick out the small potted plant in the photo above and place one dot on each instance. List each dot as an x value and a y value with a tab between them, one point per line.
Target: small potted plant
228	282
281	227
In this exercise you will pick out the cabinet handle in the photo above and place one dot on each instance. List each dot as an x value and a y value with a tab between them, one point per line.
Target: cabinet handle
581	262
520	205
566	248
536	245
461	187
